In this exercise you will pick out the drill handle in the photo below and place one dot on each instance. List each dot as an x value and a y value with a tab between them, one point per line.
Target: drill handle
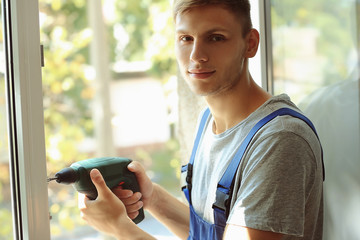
131	183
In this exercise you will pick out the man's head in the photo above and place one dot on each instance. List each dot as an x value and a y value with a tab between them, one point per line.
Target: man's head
240	8
212	49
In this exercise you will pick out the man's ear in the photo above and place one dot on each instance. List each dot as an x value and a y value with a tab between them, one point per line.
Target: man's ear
252	39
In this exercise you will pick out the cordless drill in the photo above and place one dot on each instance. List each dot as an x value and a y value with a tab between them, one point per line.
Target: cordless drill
113	169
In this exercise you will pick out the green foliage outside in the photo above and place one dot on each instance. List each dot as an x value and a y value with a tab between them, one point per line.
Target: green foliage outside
335	24
68	92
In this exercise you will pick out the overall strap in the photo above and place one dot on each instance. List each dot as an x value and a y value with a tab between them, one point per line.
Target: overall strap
188	168
223	191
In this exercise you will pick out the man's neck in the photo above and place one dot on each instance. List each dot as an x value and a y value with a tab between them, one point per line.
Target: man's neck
230	108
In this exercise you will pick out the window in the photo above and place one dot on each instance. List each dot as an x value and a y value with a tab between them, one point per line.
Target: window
25	120
315	54
109	84
314	45
6	213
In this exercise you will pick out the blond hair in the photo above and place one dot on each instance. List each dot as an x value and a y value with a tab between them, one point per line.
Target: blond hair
241	9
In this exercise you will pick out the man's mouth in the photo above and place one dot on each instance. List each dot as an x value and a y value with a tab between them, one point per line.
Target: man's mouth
201	73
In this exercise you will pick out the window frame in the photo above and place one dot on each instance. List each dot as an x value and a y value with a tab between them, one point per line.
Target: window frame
266	45
25	119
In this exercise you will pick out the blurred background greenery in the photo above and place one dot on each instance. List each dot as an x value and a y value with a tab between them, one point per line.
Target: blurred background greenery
136	32
314	44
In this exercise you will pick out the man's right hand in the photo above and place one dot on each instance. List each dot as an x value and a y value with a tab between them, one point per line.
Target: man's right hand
135	201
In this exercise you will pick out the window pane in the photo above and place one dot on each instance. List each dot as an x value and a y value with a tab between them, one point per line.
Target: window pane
6	229
316	61
123	105
314	45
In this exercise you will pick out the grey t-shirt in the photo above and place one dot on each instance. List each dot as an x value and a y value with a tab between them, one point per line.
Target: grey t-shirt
278	185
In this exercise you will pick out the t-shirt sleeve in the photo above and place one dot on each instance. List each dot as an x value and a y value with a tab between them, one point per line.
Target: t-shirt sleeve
275	179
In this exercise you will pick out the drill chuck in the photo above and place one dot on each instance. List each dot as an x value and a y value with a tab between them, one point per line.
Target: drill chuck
67	176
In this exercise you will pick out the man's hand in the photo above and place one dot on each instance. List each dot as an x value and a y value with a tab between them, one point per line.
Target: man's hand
134	201
106	213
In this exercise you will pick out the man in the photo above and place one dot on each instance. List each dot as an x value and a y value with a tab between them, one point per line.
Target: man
277	190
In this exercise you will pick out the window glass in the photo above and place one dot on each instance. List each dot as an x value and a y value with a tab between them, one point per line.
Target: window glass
6	229
314	45
121	105
316	61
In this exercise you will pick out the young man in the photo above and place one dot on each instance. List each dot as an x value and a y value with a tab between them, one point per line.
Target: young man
276	192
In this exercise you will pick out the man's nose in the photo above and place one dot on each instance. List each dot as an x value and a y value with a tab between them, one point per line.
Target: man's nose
198	53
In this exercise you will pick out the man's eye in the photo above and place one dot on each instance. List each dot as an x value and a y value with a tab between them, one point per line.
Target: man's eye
185	38
216	38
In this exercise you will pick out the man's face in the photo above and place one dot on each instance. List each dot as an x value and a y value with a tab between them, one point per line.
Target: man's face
210	49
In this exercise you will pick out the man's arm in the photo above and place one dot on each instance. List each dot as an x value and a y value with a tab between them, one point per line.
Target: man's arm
244	233
170	211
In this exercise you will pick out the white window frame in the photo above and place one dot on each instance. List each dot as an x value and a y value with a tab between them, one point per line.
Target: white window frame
264	9
261	65
26	126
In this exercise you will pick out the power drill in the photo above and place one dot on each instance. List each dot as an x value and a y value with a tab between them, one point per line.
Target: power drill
113	169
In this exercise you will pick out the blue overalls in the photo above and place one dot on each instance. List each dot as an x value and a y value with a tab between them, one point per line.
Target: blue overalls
199	228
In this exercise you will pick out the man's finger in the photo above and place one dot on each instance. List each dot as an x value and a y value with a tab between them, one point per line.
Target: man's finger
122	193
134	167
99	182
139	171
